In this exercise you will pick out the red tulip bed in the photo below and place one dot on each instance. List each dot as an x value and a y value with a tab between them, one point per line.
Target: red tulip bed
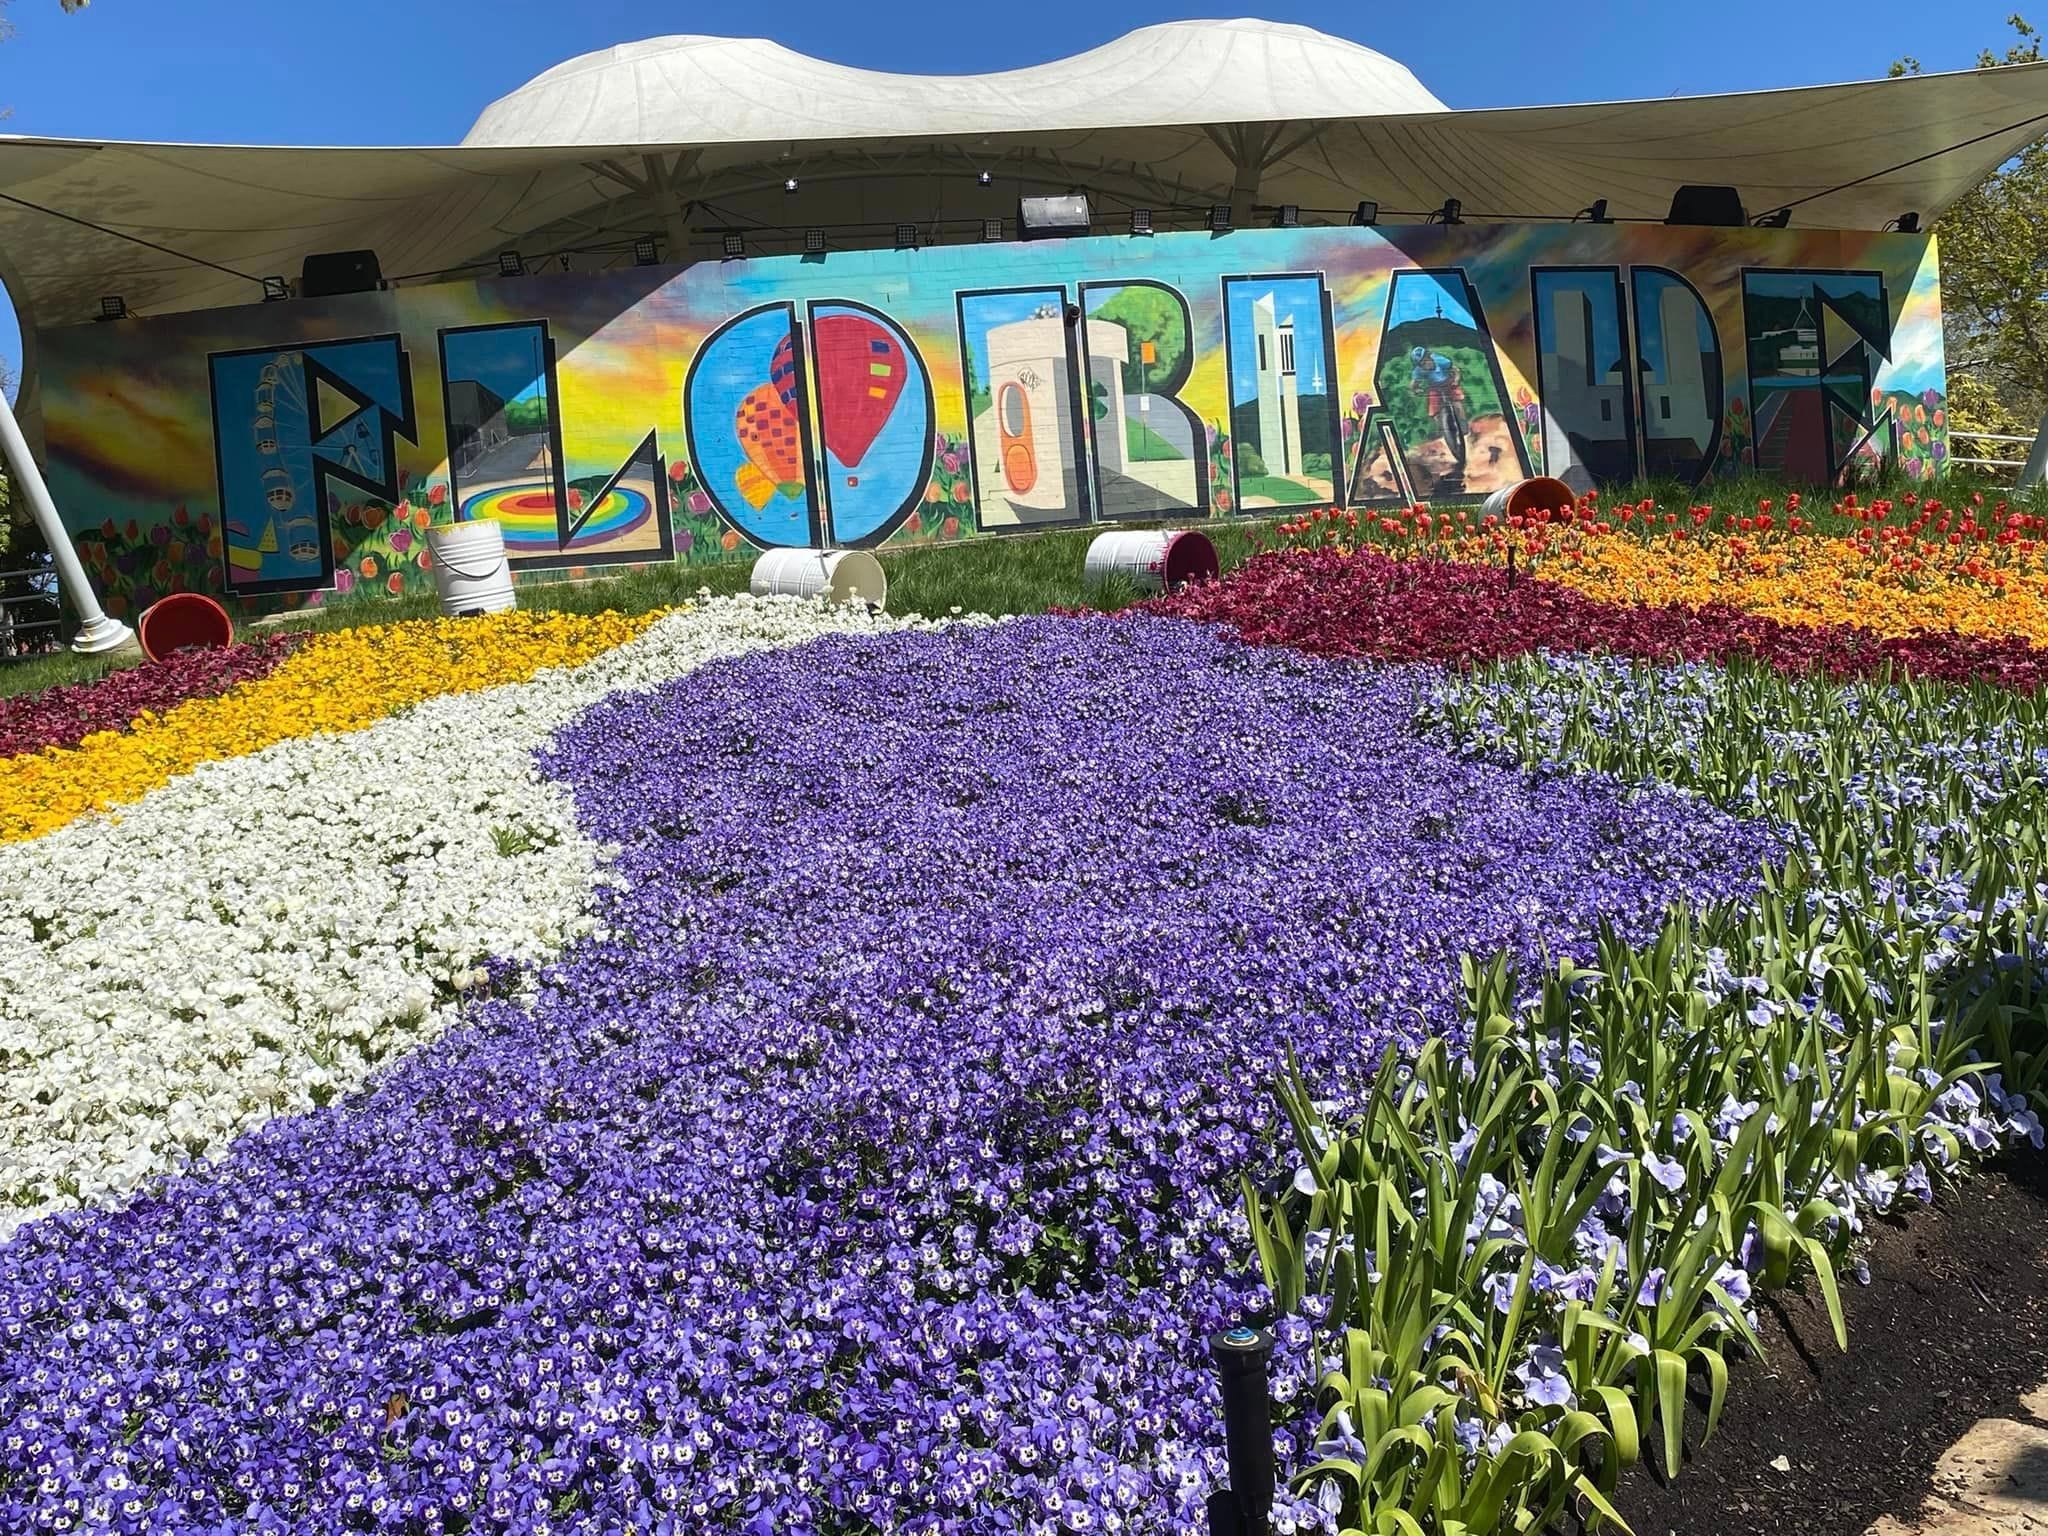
1365	604
65	716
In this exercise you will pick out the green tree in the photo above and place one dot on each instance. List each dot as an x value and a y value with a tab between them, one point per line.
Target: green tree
69	5
1149	314
1994	277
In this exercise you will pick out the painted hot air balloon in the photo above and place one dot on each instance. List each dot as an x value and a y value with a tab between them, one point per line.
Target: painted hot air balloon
302	538
770	434
861	369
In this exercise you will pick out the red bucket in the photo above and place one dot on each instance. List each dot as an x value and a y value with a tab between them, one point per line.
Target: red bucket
1538	494
184	621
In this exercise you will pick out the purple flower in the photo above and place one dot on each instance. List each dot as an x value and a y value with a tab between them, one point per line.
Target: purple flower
1732	1113
880	1158
1734	1281
1667	1171
1543	1377
1499	1288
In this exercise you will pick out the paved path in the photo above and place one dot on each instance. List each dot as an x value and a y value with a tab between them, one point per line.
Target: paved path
1992	1482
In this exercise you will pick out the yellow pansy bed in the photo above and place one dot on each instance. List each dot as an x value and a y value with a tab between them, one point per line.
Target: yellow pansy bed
1812	581
336	682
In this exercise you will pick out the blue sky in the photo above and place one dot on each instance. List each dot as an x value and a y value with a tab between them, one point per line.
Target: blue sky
1603	296
411	72
1296	299
983	312
1425	296
505	360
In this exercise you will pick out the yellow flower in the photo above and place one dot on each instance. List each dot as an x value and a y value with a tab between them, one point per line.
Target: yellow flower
1811	580
335	682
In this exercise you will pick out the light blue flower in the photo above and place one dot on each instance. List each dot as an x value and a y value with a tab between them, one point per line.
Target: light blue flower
1667	1171
1735	1282
1543	1377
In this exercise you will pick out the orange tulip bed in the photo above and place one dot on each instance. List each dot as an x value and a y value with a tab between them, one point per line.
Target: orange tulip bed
1913	586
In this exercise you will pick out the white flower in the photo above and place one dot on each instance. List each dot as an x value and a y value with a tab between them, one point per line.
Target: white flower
256	937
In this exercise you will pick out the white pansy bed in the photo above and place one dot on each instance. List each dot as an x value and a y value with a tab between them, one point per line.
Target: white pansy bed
256	937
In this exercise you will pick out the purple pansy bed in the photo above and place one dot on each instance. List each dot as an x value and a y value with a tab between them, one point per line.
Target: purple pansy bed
973	1019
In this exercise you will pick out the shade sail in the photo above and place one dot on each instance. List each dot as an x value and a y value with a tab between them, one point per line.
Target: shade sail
1169	118
709	90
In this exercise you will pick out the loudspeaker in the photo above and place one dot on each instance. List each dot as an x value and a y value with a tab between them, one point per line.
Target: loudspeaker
336	272
1706	205
1041	218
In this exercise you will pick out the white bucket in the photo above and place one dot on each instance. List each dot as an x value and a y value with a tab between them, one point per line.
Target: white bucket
1540	494
470	569
837	575
1151	558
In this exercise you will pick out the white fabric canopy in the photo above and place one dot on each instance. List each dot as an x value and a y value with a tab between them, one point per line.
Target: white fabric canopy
680	137
723	90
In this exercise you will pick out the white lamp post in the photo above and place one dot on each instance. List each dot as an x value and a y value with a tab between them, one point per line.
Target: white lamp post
98	632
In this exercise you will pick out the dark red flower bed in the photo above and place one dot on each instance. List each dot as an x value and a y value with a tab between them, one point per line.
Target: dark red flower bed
1365	604
66	715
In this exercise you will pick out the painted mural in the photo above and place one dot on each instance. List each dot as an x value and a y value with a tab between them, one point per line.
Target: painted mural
298	452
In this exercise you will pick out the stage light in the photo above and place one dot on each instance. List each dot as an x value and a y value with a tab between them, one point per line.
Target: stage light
1719	207
1052	218
1219	218
1595	213
645	252
1907	223
984	178
1141	221
328	274
1366	214
1777	218
1290	216
991	231
274	289
814	242
789	184
511	264
735	244
113	307
906	237
1451	212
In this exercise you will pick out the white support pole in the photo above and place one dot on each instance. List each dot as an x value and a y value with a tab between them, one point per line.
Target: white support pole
98	633
2037	459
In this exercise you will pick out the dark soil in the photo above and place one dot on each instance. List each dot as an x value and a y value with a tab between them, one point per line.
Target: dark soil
1952	1328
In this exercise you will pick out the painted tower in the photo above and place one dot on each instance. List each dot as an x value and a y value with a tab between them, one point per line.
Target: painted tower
1279	394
